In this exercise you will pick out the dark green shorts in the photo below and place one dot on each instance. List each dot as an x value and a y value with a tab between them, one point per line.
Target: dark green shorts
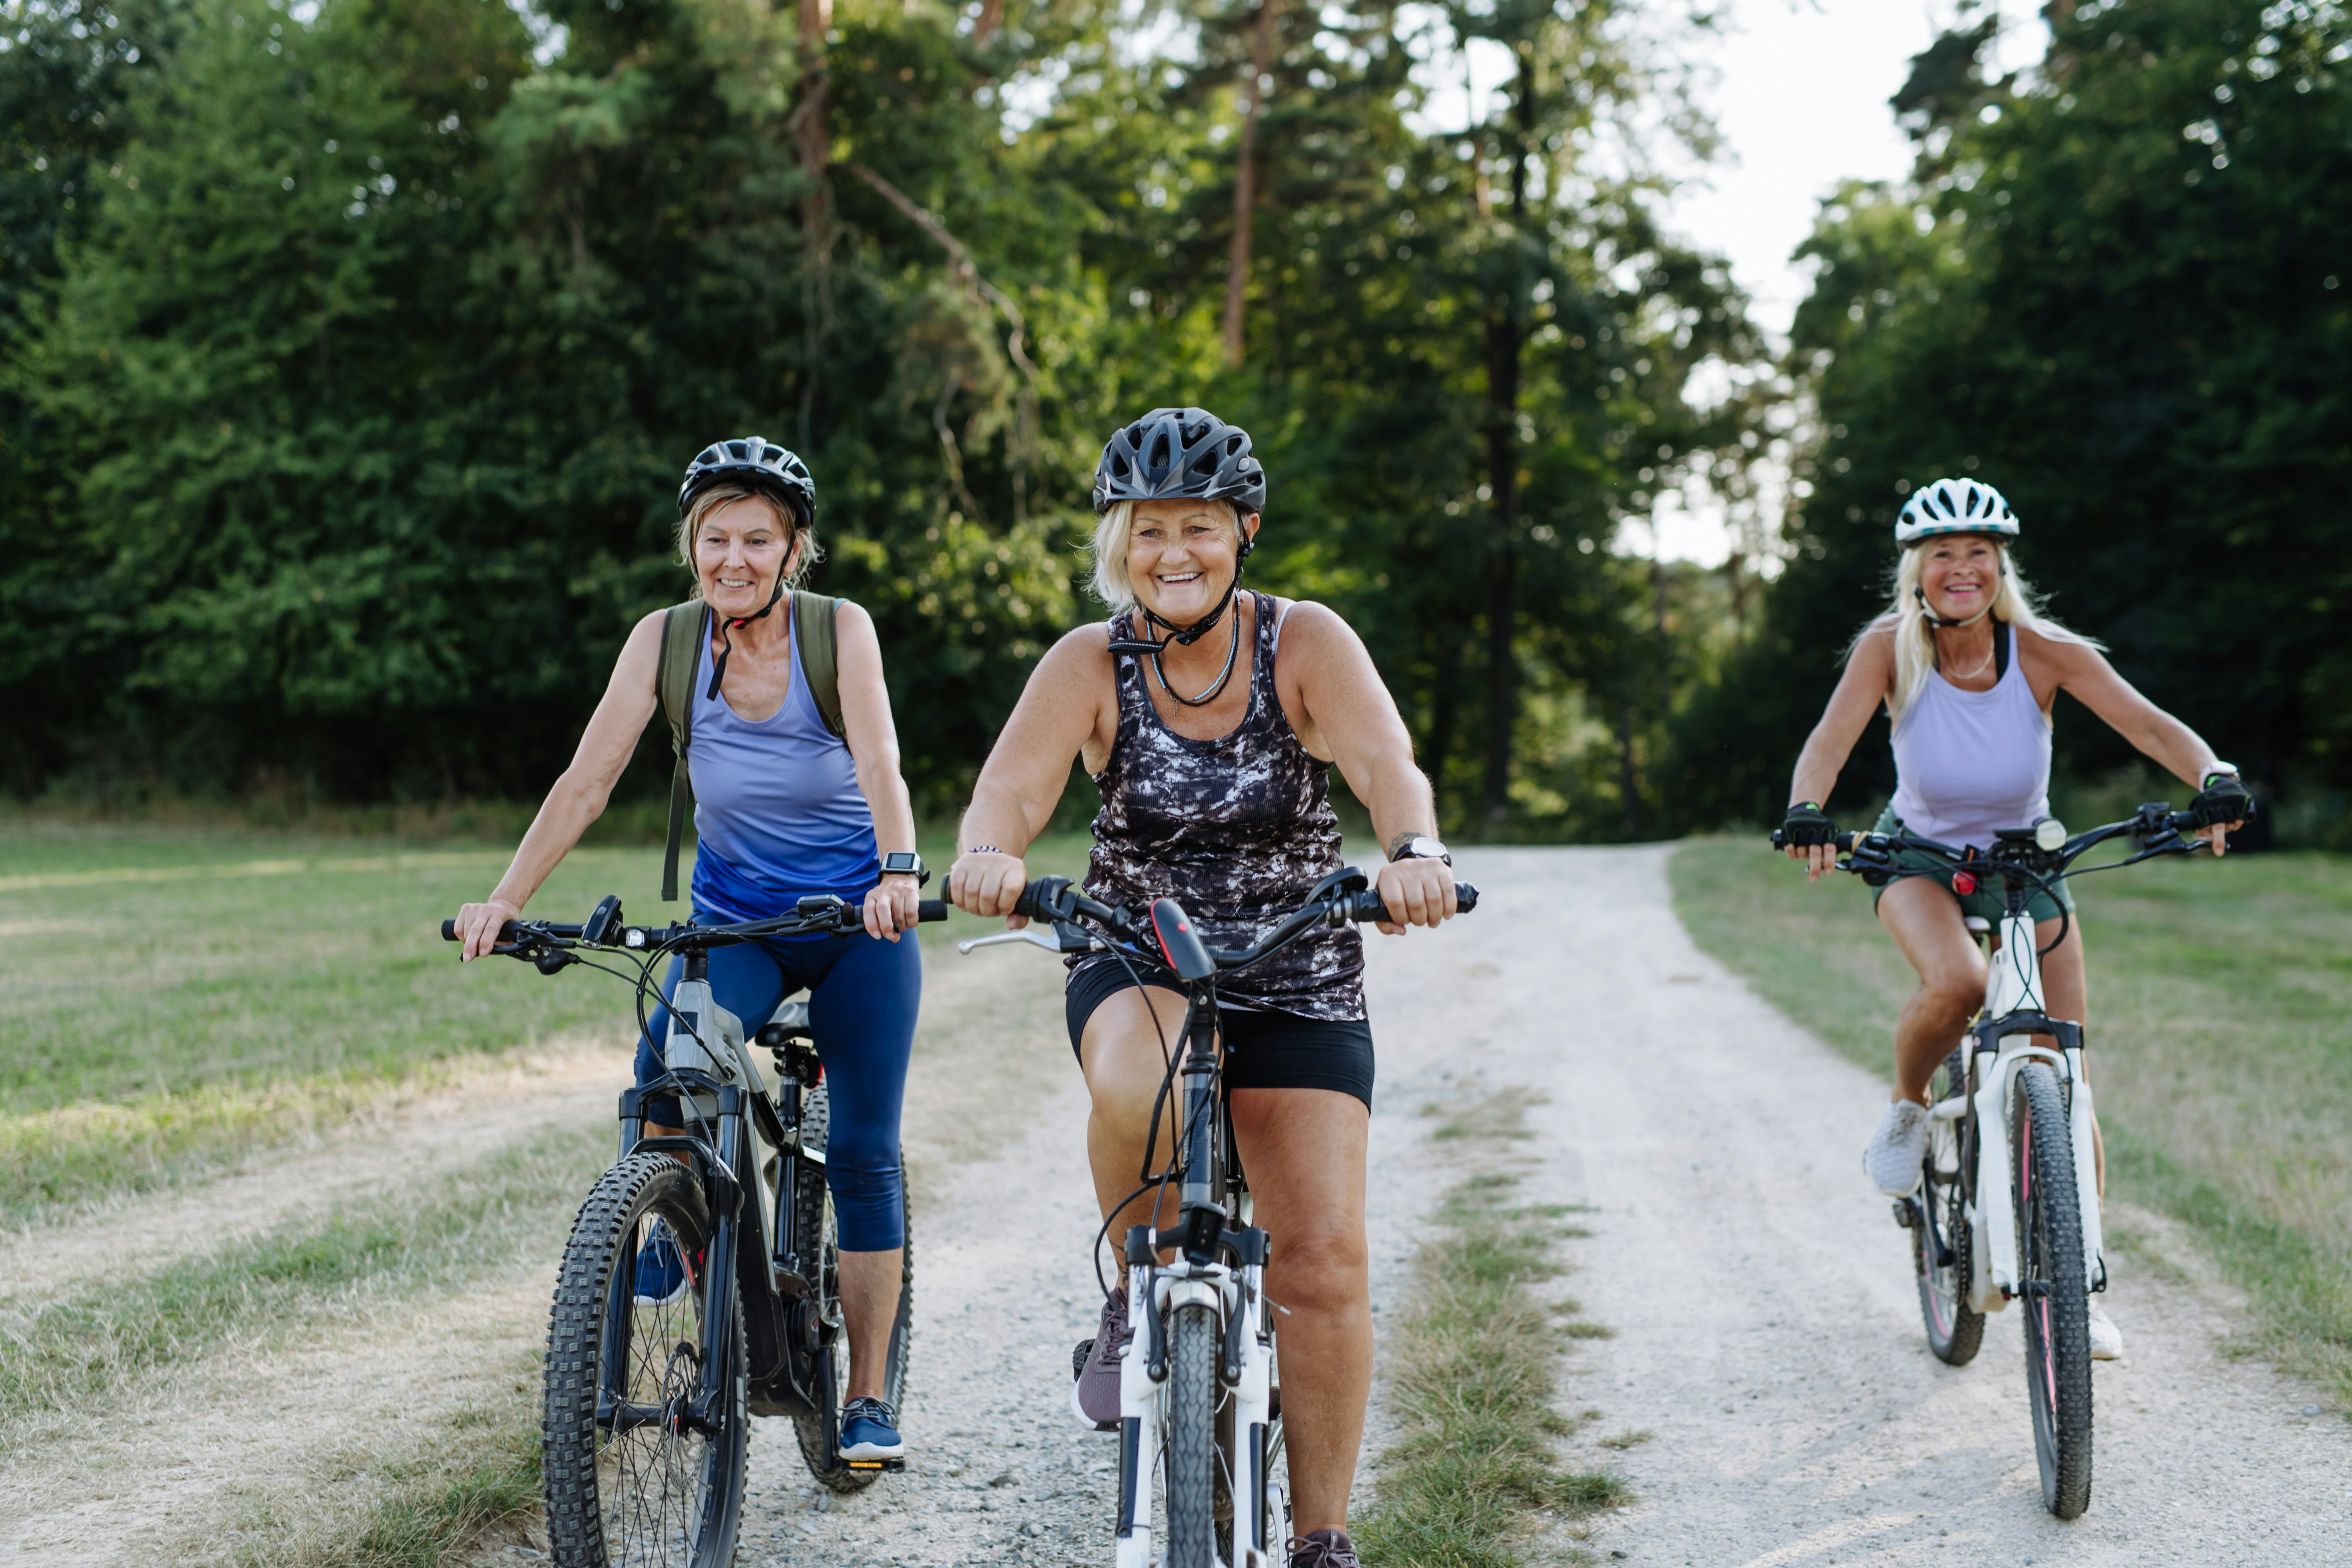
1991	900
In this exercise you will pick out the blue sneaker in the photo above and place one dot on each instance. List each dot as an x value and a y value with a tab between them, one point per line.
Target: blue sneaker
661	1269
870	1432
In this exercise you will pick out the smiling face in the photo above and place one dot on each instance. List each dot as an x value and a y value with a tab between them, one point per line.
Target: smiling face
740	547
1181	554
1960	573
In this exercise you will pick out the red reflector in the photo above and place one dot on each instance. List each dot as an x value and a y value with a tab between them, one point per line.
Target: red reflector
1963	883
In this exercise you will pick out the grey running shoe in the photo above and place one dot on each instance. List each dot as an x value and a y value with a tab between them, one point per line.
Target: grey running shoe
1095	1396
1896	1150
1323	1549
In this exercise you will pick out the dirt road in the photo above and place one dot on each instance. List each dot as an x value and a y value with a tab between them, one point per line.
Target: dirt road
1766	1336
1768	1332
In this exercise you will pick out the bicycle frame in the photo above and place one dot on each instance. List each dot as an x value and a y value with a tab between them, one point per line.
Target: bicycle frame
2004	1031
1220	1264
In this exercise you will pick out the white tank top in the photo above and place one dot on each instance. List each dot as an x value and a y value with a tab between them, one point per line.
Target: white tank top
1966	763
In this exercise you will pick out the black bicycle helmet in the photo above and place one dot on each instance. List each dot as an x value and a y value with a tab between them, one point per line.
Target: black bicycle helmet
1179	452
760	463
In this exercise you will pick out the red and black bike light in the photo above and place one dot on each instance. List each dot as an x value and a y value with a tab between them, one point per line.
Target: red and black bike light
1964	883
1178	942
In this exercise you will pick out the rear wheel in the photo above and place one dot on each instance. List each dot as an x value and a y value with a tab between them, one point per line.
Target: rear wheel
1940	1243
2057	1305
638	1468
1192	1438
820	1432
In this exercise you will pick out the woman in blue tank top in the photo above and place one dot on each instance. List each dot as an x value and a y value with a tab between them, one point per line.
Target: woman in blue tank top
1968	671
782	809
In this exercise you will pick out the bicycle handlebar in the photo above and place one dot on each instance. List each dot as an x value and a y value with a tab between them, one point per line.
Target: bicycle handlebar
2155	826
1341	898
828	914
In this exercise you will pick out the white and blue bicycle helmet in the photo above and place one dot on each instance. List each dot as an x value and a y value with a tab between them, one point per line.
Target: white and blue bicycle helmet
1954	506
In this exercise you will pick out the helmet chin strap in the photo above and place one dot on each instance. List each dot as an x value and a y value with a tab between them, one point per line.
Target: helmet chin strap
727	628
1943	623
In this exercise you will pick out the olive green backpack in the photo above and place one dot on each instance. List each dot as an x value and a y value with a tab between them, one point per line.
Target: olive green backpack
685	631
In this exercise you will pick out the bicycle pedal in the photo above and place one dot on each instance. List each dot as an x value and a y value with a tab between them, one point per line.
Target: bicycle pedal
875	1464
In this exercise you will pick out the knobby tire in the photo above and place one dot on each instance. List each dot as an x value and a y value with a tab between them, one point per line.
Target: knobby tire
1193	1439
1954	1332
660	1495
2056	1302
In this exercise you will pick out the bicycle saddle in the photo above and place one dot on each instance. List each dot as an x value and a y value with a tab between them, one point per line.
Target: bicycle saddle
789	1022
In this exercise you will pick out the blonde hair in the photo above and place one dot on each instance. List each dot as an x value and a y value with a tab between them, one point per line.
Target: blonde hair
795	530
1915	640
1111	583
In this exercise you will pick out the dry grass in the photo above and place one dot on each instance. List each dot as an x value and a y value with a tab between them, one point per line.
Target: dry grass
1473	1476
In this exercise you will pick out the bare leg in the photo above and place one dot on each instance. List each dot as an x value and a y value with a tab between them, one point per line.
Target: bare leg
1304	1151
869	1305
1120	1053
1924	918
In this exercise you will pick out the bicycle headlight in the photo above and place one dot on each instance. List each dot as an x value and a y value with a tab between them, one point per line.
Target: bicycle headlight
2050	835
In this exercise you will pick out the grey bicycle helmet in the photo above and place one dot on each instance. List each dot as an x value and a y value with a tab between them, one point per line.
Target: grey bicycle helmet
1954	506
1179	452
754	461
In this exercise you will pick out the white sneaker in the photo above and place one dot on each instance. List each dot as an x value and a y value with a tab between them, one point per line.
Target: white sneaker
2106	1340
1897	1150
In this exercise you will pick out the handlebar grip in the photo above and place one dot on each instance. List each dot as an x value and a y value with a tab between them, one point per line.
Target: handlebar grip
1368	906
450	932
931	910
1844	841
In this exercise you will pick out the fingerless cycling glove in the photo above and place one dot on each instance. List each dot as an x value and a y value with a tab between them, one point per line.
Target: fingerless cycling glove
2223	799
1807	824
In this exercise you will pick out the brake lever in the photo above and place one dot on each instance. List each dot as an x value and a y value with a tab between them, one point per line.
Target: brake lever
1029	934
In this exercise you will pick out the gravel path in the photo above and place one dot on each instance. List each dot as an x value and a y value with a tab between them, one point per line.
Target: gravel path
1768	1339
1768	1330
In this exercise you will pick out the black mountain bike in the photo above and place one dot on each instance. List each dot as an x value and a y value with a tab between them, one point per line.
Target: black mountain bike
646	1402
1199	1398
2008	1207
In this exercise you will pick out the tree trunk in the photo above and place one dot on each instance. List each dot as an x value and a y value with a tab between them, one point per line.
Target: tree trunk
1246	185
1506	335
991	16
813	136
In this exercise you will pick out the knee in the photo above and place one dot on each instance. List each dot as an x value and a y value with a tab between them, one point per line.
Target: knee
1322	1268
860	1159
1952	996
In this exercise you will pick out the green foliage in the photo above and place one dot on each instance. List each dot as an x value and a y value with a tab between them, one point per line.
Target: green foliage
344	416
2121	290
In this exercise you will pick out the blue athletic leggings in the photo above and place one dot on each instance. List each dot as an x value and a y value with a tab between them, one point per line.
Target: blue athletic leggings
863	998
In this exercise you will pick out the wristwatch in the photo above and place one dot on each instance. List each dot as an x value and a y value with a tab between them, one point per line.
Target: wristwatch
1421	847
905	863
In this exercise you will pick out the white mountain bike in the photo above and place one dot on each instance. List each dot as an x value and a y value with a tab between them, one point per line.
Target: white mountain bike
2009	1204
1200	1399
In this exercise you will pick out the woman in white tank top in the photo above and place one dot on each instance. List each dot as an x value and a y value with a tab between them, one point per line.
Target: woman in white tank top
1968	672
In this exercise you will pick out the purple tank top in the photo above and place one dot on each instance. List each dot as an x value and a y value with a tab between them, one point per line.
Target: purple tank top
1967	763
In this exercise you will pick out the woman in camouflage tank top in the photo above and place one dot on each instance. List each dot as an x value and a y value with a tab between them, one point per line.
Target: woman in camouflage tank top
1209	720
1237	829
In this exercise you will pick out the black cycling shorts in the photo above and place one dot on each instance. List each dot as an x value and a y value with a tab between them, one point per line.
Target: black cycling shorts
1263	1050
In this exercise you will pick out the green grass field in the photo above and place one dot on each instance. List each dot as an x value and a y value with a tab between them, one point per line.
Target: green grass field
174	995
2220	1036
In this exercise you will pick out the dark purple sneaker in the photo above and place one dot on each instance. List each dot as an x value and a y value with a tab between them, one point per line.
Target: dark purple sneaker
1323	1549
1095	1396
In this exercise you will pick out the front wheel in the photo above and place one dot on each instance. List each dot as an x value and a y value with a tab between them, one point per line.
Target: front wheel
1192	1438
2057	1303
644	1456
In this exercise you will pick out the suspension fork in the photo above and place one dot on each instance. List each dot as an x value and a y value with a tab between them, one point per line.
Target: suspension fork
719	1292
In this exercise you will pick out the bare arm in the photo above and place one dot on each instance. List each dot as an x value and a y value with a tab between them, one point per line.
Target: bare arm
1060	709
890	906
1349	708
2084	671
579	796
1869	677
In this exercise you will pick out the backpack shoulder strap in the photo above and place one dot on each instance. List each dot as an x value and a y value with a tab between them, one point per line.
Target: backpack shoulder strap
813	626
685	628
